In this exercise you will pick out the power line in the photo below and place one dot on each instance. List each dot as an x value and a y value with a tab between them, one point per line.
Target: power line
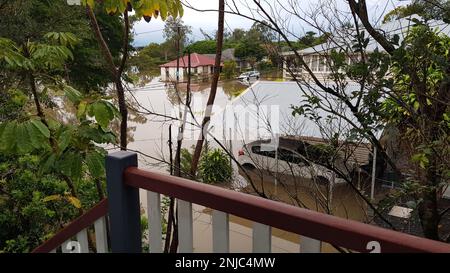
151	31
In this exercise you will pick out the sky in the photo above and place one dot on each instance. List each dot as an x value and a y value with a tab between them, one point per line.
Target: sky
145	33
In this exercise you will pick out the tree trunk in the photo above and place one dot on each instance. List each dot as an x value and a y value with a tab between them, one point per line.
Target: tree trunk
212	94
115	73
429	216
123	114
428	207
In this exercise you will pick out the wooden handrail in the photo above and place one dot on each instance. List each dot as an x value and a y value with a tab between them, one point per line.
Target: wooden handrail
338	231
71	230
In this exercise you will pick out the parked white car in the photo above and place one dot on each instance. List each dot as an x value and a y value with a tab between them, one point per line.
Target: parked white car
288	160
250	75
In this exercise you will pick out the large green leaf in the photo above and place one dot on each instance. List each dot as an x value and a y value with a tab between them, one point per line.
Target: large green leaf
8	137
37	140
48	163
41	127
64	138
24	144
70	165
113	111
103	115
96	164
77	161
81	112
2	128
72	94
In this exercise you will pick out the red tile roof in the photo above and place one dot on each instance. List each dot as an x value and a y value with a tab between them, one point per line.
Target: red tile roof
196	60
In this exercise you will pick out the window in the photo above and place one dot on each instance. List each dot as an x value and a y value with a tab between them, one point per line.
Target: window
316	153
257	150
315	63
291	157
322	63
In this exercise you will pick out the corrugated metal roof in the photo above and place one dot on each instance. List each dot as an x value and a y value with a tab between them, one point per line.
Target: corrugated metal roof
271	102
196	61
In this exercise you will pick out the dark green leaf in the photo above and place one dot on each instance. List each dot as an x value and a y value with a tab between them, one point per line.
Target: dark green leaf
65	138
24	142
96	164
102	114
8	137
41	127
72	94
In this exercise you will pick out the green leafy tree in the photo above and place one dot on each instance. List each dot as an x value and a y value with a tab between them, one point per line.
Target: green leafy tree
405	87
427	9
229	69
60	153
215	167
421	74
148	60
32	19
250	50
176	32
202	47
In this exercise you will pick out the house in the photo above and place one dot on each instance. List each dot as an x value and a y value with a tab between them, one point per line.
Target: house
202	66
317	59
317	56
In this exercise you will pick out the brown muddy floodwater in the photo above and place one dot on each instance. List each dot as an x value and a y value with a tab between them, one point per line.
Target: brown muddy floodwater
150	135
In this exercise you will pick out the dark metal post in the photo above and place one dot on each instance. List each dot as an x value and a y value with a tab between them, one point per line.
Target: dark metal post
124	206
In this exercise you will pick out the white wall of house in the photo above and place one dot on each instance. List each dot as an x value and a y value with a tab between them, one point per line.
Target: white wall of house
170	73
318	63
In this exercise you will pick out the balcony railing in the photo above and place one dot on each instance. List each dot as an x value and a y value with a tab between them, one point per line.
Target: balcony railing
124	180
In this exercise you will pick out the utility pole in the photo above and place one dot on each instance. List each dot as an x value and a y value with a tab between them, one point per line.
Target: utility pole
178	55
178	151
184	117
171	242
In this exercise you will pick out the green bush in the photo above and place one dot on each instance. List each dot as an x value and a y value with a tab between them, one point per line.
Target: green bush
229	69
215	167
265	65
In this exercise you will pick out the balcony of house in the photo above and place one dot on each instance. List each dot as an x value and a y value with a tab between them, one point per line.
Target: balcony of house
121	213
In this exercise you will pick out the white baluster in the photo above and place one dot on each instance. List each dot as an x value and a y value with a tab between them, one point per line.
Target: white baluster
185	229
221	234
309	245
154	221
101	240
262	238
82	238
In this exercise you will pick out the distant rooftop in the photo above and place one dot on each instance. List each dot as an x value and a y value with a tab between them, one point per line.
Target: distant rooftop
196	61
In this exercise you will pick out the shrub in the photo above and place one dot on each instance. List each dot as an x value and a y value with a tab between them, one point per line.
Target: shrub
229	69
215	167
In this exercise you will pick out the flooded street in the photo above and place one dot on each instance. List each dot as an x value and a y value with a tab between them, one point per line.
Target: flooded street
150	135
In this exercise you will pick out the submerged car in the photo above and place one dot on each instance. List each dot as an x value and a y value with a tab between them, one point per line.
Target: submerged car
250	75
287	157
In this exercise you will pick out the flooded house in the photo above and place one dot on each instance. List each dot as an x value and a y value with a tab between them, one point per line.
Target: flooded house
202	67
318	57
